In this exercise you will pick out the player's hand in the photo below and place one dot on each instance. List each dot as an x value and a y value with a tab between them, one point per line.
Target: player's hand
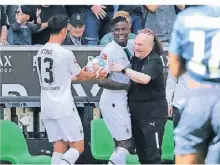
3	42
99	11
146	31
115	67
101	73
170	111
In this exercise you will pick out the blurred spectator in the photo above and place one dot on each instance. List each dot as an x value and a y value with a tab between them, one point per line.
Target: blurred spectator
186	6
22	29
72	9
47	11
160	19
3	27
136	14
11	12
110	37
98	20
76	29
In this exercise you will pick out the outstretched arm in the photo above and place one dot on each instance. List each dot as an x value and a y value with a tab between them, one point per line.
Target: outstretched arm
113	85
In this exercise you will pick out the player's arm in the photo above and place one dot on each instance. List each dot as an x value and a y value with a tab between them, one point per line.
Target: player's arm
177	65
138	77
78	73
150	72
176	62
107	83
113	85
83	76
170	87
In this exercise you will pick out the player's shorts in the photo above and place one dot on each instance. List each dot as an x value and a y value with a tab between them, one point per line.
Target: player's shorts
199	126
68	128
118	121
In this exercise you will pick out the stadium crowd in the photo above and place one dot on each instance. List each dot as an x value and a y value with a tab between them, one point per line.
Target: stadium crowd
89	24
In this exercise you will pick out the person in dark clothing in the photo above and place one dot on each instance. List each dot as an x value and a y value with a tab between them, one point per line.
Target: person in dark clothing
136	14
47	12
76	31
146	97
98	20
22	30
72	9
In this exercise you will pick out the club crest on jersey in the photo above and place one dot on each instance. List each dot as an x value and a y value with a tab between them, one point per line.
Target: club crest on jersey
104	56
127	130
81	130
75	61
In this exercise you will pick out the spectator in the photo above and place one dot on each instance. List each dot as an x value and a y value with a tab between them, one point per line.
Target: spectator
98	20
110	37
72	9
136	14
76	30
11	12
146	97
160	19
3	27
22	30
179	10
47	11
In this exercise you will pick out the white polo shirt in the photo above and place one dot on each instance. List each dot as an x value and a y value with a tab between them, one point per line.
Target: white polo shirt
115	53
55	66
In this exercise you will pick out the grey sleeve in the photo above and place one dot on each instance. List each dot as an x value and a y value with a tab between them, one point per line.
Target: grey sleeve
170	88
34	27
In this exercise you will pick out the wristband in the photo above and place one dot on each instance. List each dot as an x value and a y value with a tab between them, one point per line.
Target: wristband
123	71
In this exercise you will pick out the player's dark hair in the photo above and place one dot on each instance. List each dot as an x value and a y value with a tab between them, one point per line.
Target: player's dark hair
117	20
57	23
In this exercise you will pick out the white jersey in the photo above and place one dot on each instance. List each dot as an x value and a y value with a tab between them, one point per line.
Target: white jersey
56	66
115	53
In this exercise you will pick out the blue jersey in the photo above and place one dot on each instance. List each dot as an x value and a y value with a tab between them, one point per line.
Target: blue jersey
196	38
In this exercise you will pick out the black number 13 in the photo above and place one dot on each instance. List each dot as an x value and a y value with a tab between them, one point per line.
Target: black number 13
49	69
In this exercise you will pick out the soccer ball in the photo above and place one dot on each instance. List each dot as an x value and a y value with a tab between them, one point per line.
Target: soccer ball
96	64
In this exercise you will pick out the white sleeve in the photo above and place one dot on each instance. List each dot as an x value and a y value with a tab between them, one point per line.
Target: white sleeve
72	64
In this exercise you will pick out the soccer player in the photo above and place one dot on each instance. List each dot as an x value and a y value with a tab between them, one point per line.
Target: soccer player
113	102
196	44
56	67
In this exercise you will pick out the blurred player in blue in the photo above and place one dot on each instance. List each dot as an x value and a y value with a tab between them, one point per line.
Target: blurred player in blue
195	48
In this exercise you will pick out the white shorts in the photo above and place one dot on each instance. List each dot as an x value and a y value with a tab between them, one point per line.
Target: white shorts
118	121
68	128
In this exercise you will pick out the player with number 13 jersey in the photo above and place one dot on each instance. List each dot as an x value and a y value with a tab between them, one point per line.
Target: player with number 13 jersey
57	67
